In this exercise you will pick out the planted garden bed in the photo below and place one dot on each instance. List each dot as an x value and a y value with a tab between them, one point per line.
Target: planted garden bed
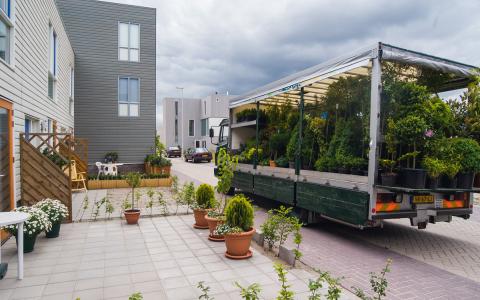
115	182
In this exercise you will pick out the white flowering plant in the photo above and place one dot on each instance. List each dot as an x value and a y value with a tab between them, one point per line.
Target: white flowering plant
56	210
36	223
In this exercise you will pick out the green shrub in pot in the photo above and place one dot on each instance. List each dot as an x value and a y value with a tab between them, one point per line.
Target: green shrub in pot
205	196
239	213
435	167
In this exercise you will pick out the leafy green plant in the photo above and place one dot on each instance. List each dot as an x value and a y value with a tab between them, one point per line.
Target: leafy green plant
133	180
379	284
226	168
285	293
162	203
251	292
223	229
297	240
410	131
451	169
282	162
150	201
434	166
239	213
188	194
55	158
388	164
111	156
468	153
205	290
136	296
278	225
205	196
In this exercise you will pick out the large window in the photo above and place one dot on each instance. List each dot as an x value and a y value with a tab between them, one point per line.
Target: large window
52	69
176	131
128	41
176	108
5	29
128	96
191	127
204	127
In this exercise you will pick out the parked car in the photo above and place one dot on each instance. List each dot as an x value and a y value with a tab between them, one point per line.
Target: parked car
198	155
174	152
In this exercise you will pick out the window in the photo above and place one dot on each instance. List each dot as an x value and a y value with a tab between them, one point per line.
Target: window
128	41
205	107
72	89
176	108
128	96
5	30
191	127
204	144
52	69
204	127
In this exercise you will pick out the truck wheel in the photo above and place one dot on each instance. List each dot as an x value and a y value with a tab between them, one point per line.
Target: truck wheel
231	191
422	225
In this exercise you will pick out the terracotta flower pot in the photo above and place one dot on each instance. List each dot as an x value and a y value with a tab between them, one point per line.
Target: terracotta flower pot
132	216
238	244
200	222
212	225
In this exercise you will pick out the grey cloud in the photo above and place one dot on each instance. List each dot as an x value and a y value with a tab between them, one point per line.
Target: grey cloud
217	45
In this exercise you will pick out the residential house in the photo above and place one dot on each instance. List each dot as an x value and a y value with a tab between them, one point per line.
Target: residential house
115	86
37	67
186	121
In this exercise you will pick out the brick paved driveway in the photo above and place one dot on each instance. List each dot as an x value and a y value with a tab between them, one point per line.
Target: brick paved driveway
441	262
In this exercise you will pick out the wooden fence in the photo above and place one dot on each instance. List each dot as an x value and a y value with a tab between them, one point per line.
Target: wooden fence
41	177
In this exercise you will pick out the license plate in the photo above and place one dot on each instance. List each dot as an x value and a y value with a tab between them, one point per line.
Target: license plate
204	155
423	199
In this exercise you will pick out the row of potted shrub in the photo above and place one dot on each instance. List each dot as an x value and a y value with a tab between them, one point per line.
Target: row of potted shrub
45	216
232	223
450	163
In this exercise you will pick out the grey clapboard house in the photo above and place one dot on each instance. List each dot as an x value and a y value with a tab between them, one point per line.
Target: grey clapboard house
115	87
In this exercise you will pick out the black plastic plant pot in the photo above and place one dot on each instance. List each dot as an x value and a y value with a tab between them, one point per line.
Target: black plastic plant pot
465	180
413	178
388	179
356	171
476	183
447	182
55	231
343	170
28	242
433	183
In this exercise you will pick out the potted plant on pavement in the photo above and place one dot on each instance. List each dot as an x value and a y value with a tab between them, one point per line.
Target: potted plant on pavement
226	167
56	211
205	201
238	227
36	223
133	214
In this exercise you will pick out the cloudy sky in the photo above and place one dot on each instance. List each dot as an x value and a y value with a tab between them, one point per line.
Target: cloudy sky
218	45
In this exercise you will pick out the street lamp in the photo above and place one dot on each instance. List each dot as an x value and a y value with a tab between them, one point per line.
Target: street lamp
182	133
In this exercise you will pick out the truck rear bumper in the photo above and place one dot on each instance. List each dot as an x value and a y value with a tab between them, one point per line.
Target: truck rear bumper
430	212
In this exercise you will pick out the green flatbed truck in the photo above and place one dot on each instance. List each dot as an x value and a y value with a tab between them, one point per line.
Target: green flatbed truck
355	200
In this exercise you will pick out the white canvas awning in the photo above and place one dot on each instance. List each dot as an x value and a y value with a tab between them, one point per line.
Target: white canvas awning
316	79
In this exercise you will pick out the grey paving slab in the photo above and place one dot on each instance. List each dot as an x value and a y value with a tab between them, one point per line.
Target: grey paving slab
105	268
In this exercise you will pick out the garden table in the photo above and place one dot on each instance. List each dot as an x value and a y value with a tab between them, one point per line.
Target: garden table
10	218
111	168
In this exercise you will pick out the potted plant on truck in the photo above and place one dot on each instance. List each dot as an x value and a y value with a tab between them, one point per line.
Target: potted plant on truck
56	212
205	201
435	167
238	227
133	214
468	153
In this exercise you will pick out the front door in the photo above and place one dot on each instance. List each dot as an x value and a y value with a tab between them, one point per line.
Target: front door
6	156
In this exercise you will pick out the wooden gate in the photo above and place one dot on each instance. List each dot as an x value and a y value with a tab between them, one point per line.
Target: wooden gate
45	168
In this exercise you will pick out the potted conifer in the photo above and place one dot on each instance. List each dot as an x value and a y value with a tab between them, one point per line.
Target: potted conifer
205	201
238	227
